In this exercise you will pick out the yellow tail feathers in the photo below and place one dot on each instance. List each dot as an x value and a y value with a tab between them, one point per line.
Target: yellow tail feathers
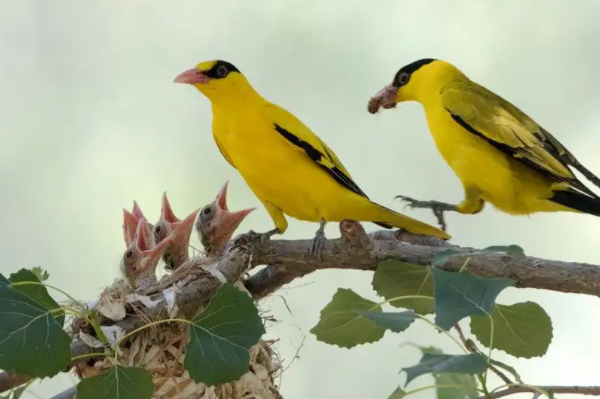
369	211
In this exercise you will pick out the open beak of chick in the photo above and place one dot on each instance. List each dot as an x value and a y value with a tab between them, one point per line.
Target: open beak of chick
180	240
192	76
166	224
179	232
385	98
217	224
130	224
140	259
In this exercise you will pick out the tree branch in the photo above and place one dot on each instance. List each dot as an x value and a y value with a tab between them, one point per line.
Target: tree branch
592	390
361	251
291	259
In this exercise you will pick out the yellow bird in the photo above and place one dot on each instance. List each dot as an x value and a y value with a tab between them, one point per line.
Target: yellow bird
500	154
286	165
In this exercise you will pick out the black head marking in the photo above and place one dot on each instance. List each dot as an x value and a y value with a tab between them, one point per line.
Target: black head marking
220	70
403	75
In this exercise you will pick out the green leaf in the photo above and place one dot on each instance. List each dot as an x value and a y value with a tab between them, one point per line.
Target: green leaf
508	368
443	256
468	383
18	392
40	273
341	323
467	386
15	393
393	321
458	295
31	341
37	292
513	250
117	383
398	393
221	336
433	363
522	330
393	279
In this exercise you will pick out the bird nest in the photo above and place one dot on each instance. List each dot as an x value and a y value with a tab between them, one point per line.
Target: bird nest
160	349
145	301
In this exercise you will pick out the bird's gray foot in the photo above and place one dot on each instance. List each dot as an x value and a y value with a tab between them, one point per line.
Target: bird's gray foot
438	208
319	241
264	237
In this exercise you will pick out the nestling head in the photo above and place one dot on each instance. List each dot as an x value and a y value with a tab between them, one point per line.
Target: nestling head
218	80
409	83
216	224
140	258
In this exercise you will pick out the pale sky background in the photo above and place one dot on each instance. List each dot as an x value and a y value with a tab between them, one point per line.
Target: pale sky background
90	119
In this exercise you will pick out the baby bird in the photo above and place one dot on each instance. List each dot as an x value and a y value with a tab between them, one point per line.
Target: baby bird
139	261
130	222
216	224
176	254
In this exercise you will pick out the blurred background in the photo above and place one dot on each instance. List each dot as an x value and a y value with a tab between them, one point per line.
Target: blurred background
90	120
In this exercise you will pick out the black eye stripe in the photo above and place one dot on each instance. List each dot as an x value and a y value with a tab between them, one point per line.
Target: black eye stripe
213	72
410	68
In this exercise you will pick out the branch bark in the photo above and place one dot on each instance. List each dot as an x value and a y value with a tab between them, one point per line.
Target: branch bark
288	260
591	390
361	251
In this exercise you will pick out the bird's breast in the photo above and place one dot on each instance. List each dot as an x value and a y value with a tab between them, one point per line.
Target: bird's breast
275	171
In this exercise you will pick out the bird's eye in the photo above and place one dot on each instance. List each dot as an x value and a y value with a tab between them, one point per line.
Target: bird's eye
129	254
222	71
157	229
207	210
403	78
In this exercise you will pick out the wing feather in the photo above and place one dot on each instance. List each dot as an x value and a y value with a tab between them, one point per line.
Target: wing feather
507	128
300	137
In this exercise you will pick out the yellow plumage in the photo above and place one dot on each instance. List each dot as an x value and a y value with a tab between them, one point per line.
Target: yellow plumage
284	163
500	155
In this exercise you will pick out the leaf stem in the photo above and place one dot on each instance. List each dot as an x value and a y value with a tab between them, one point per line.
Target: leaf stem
398	298
533	388
470	345
48	286
440	329
83	313
489	356
436	386
464	266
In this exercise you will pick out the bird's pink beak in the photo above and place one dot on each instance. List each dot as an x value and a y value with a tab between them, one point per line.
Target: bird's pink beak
141	236
222	197
182	230
230	220
167	213
192	77
130	223
137	211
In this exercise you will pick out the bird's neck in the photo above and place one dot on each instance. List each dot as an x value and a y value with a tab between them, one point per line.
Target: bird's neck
440	75
234	98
